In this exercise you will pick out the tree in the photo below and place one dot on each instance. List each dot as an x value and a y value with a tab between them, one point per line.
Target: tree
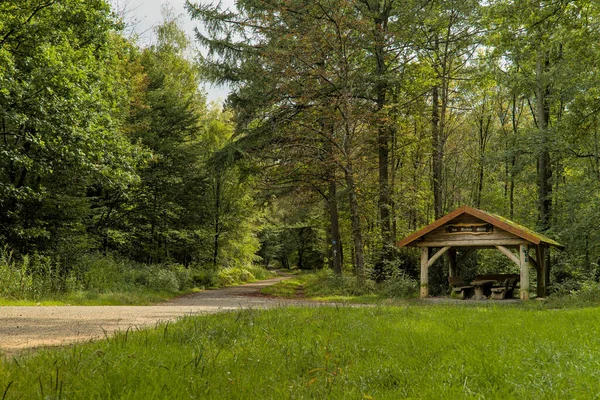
59	107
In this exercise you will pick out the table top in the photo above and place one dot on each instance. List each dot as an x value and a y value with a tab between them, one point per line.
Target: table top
483	282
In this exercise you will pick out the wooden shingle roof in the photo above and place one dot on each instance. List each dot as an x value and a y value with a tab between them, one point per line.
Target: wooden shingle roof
496	220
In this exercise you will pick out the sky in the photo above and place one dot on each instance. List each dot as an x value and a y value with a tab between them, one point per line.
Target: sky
141	16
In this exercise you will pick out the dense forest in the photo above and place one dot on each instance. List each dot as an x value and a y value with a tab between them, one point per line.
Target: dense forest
350	124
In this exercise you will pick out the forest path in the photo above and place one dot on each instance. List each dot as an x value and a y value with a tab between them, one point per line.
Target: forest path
30	327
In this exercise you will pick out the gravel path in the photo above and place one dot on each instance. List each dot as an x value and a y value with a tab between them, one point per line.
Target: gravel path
29	327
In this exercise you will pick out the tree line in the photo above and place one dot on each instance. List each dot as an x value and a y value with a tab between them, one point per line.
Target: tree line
106	146
371	118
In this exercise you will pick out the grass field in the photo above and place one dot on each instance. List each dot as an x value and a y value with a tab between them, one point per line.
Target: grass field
417	351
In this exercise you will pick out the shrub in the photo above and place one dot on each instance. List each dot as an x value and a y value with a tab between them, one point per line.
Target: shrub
236	275
184	277
205	277
14	280
32	277
399	285
166	280
100	273
587	296
327	283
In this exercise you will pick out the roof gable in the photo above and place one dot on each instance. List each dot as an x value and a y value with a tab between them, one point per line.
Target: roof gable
493	219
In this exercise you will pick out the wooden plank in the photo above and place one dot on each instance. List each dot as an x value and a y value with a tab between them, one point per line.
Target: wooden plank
474	243
524	261
410	238
441	234
424	272
437	255
509	254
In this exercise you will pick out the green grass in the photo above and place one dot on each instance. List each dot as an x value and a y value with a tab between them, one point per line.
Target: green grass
417	351
326	287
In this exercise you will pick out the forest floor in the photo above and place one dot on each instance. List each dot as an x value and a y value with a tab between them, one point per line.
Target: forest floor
29	327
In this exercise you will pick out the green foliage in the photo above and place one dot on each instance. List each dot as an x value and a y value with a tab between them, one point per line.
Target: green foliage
96	276
107	147
237	275
326	285
60	119
398	286
427	352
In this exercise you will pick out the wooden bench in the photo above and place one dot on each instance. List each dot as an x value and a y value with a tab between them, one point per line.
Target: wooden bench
459	287
506	289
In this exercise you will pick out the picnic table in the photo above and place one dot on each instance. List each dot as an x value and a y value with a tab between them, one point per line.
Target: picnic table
483	287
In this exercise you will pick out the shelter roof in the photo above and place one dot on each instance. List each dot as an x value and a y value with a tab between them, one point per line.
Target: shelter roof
493	219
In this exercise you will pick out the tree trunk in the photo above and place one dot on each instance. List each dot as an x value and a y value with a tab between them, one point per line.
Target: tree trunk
334	221
437	151
383	133
543	163
217	220
359	258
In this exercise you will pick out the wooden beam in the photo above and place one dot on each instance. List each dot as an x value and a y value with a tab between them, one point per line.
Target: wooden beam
437	255
424	272
473	243
524	261
509	254
411	238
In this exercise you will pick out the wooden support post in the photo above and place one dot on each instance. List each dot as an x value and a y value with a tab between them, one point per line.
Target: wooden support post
524	258
424	272
546	256
452	267
542	276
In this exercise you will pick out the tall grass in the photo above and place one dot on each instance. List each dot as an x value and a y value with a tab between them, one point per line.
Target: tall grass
425	352
105	279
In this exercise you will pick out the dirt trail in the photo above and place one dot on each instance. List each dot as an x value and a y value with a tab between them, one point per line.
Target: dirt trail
29	327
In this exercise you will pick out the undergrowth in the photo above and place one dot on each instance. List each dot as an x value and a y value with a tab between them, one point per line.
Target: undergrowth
326	285
106	279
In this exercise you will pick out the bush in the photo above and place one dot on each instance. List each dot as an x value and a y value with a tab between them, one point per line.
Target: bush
588	295
205	277
32	277
164	279
399	285
15	282
99	273
327	283
236	275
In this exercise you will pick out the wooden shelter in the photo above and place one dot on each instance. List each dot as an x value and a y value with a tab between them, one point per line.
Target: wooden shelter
471	229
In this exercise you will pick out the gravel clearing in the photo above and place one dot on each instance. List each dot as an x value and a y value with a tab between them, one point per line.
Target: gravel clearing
24	328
